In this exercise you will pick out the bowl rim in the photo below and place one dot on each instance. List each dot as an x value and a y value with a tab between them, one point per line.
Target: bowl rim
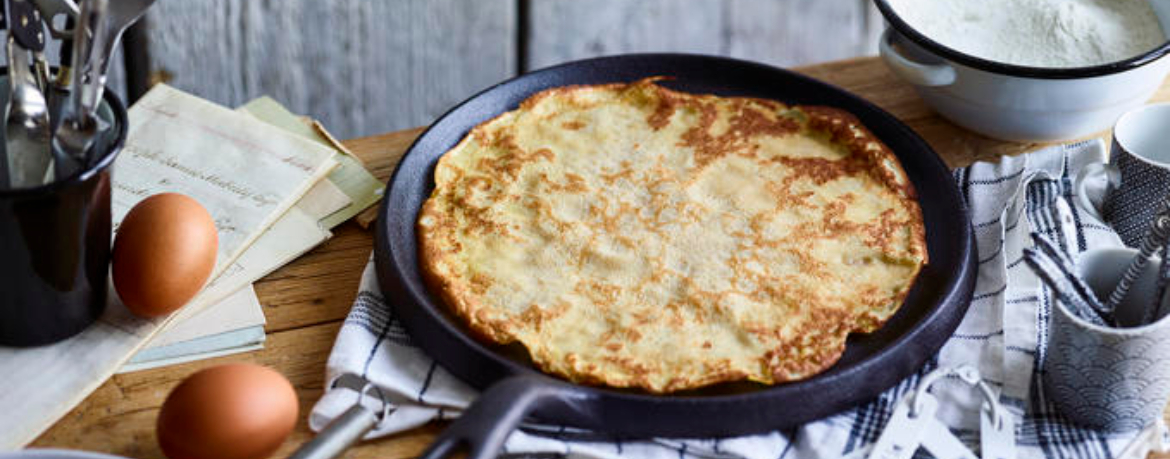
1050	73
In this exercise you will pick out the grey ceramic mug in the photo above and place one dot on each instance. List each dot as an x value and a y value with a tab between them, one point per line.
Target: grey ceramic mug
1137	175
1116	379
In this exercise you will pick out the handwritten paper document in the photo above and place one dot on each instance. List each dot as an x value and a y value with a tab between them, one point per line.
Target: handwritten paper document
351	176
304	226
245	172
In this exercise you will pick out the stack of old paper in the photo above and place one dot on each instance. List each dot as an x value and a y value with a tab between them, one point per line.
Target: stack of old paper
273	195
236	323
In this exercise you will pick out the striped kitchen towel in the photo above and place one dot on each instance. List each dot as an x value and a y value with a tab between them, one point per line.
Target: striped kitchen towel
1003	335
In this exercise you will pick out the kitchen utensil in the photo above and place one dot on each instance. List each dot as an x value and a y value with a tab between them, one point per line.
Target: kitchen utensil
52	9
26	116
43	73
351	425
28	29
91	64
55	241
871	362
64	80
1106	377
1137	176
121	14
26	124
76	130
1156	237
1014	102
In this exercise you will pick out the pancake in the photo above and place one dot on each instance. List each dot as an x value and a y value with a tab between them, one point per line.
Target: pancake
635	236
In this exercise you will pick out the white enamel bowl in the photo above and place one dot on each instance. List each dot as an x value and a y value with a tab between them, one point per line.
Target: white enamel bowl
1012	102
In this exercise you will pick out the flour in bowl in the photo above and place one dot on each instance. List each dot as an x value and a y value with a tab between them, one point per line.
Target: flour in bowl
1038	33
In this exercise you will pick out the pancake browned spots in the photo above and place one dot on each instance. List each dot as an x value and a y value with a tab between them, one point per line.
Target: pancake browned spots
635	236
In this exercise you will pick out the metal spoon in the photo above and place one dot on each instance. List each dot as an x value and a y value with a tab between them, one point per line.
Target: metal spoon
26	118
26	123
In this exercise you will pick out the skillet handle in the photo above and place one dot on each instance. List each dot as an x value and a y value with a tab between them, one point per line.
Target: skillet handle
484	427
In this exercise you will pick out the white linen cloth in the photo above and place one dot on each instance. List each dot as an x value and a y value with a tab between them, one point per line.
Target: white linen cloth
1003	335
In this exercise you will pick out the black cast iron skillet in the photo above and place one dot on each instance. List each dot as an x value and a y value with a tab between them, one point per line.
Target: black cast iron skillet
514	389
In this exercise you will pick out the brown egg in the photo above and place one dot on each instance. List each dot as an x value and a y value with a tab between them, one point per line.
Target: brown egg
163	253
235	411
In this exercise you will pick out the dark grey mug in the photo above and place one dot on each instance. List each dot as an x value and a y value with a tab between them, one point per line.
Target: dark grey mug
1115	379
1137	175
55	244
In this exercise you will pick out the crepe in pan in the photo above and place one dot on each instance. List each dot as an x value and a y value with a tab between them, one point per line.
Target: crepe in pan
635	236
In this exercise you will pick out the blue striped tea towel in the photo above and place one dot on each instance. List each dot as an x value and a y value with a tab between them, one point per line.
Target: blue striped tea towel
1003	335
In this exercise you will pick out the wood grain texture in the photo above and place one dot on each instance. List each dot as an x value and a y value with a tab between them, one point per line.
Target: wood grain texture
306	300
195	46
360	67
364	67
794	32
564	30
779	32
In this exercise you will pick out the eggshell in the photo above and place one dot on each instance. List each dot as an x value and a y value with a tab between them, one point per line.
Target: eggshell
234	411
163	254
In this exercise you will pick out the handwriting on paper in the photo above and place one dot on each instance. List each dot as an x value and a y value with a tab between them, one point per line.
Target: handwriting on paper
244	172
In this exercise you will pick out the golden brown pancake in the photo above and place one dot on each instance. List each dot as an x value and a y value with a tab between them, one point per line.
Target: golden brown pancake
635	236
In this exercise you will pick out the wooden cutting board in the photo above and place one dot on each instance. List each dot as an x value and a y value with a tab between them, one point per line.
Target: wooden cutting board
306	301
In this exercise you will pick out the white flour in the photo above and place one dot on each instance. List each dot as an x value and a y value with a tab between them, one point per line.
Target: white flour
1038	33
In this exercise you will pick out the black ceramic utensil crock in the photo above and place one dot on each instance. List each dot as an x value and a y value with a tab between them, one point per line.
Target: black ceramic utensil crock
55	247
515	390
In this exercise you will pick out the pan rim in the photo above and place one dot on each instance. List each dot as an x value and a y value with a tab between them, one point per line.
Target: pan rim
955	289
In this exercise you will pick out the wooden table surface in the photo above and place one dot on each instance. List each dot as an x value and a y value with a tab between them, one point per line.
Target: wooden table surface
306	301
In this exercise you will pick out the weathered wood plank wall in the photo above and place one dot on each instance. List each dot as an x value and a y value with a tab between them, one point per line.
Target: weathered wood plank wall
365	67
362	67
779	32
564	30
